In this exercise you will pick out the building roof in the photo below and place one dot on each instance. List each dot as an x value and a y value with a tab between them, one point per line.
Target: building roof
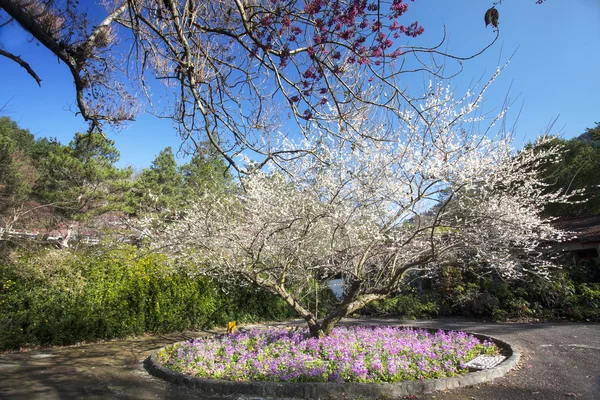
584	229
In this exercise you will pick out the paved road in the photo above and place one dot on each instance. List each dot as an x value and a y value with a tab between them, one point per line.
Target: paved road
560	361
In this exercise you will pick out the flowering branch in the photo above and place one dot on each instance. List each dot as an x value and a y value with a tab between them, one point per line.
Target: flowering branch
374	206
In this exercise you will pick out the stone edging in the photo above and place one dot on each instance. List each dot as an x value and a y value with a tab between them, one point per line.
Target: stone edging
328	390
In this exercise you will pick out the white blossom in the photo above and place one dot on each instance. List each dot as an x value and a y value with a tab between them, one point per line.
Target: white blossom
376	204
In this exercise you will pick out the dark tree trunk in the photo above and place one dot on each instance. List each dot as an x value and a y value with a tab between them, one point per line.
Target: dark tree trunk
352	301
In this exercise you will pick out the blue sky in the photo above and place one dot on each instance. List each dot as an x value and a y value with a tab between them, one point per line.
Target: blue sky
553	74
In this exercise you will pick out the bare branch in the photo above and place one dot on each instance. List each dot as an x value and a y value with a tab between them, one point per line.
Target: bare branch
47	25
23	64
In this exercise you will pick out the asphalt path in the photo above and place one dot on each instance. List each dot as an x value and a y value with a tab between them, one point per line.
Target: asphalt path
559	361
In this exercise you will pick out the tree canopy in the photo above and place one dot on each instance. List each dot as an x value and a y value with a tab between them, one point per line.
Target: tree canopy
19	152
206	171
577	171
158	189
17	177
237	73
342	163
359	209
81	180
44	184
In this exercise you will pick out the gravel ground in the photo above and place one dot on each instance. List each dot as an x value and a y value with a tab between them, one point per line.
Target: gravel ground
559	361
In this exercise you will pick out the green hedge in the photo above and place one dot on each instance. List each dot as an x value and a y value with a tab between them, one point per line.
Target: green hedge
571	293
55	297
404	305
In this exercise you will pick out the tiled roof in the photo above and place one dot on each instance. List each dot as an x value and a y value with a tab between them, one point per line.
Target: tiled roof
584	229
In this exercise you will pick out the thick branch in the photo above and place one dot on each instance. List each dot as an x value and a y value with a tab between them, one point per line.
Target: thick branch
20	14
75	57
313	324
348	306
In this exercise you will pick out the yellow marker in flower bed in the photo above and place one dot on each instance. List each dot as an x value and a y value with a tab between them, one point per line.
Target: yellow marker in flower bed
231	327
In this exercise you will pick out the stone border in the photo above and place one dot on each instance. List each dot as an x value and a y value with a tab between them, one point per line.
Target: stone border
329	390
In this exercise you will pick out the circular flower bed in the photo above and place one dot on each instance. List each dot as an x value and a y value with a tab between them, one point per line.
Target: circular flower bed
349	354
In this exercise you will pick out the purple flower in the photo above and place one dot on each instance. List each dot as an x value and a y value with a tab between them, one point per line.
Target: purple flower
360	354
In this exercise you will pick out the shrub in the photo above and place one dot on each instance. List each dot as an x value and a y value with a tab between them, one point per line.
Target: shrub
409	306
56	297
572	292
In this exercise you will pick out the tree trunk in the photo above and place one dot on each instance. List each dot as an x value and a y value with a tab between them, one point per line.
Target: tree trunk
352	302
64	244
316	331
313	325
348	306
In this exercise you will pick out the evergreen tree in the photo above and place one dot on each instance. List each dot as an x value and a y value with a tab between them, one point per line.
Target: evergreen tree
206	171
17	173
81	180
158	189
17	177
577	170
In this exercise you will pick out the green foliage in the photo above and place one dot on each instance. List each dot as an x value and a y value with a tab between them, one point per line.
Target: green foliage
21	138
57	298
42	181
593	133
17	174
577	170
246	304
408	306
205	171
80	180
158	189
164	188
566	293
44	184
572	292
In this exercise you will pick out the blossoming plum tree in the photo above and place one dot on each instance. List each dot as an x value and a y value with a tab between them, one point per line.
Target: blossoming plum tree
374	204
